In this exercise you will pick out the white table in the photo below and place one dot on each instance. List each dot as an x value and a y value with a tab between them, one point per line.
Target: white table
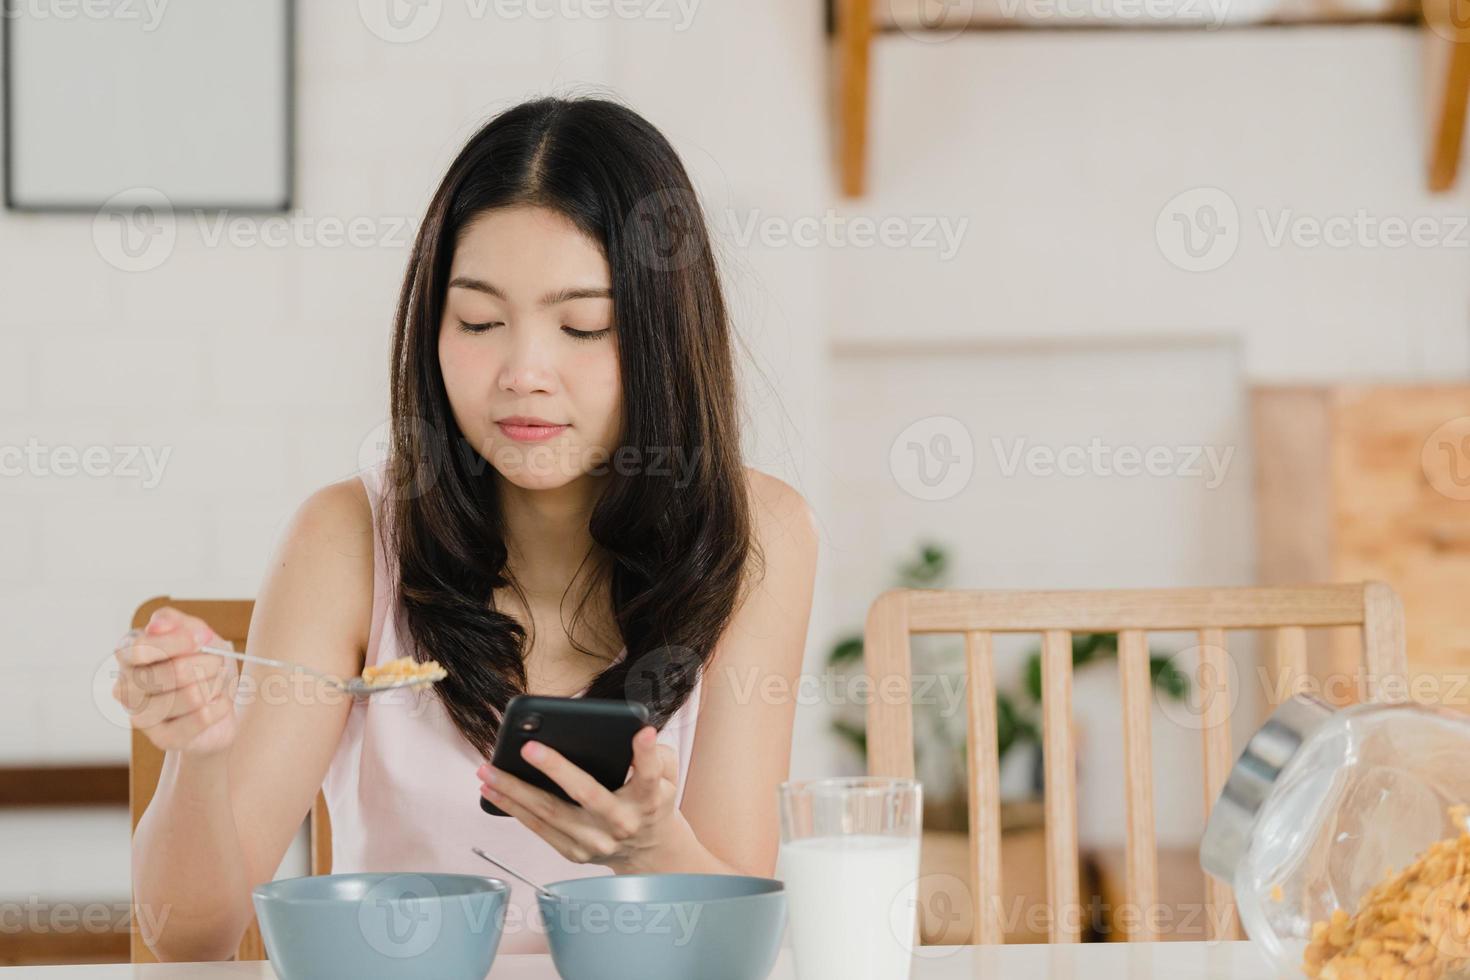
1092	961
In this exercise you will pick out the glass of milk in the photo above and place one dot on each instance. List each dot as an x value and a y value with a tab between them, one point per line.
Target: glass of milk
850	861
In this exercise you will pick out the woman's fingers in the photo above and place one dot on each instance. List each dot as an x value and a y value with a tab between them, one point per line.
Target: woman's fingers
167	619
168	634
616	814
570	847
178	732
647	767
577	823
142	649
533	798
577	783
591	831
172	692
168	682
177	672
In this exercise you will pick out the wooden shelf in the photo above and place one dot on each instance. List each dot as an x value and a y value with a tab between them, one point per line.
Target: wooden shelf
36	786
30	787
1446	35
1447	70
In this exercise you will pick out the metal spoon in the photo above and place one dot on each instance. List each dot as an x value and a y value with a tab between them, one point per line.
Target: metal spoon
514	874
357	687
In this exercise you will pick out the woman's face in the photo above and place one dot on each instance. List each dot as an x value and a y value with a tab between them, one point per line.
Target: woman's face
527	347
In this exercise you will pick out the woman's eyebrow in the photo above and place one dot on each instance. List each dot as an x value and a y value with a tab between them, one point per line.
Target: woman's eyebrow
550	299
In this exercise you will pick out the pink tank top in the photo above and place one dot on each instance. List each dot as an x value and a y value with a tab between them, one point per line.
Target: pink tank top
401	789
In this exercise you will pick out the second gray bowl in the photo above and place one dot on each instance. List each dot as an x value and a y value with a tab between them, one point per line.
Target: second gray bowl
657	926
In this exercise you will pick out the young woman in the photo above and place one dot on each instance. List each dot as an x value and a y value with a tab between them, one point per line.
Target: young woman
563	511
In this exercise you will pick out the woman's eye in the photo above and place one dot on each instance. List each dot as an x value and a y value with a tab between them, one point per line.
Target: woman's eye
586	334
478	327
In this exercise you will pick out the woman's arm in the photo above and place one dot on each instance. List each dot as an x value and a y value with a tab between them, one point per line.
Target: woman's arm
221	821
742	743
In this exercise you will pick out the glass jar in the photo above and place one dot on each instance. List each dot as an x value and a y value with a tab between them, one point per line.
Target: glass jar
1343	834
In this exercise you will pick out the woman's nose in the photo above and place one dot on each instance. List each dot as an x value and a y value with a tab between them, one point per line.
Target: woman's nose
526	369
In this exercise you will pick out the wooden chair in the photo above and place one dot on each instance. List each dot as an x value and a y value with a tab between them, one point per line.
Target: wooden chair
230	618
1372	607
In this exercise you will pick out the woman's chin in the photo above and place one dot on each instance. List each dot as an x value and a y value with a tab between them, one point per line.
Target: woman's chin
539	471
542	466
537	479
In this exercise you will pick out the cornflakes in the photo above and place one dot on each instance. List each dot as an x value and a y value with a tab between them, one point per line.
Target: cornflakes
403	669
1414	925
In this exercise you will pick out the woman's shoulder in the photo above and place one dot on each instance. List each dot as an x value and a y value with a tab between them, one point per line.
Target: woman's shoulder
331	539
316	601
777	586
780	515
337	509
784	529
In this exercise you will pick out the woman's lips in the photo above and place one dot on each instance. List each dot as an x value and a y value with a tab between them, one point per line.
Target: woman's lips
531	433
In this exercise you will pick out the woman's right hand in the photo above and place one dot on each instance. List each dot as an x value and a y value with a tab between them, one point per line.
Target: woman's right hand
183	700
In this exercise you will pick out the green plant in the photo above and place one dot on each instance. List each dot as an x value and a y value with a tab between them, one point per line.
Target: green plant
1015	713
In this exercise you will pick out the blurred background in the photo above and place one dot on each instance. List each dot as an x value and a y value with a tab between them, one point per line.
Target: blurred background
1032	294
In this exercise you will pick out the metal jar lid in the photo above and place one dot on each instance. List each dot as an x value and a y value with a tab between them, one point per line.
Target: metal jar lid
1228	831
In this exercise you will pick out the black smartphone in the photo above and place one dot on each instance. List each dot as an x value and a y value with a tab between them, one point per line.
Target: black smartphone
594	734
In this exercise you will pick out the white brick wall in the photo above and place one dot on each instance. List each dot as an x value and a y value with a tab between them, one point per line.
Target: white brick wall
262	369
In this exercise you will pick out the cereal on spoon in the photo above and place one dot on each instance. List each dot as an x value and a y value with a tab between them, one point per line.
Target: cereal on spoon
403	669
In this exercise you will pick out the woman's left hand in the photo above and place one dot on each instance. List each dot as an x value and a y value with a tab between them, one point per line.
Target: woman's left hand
629	830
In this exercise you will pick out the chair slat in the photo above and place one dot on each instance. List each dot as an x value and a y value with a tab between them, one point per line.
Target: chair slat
1384	651
1214	697
321	837
890	668
1142	853
1291	663
982	746
954	611
1061	786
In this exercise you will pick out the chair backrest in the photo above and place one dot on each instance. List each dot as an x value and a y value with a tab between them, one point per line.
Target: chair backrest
230	618
1372	607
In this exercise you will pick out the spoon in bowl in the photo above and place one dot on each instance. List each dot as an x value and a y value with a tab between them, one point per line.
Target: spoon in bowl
539	890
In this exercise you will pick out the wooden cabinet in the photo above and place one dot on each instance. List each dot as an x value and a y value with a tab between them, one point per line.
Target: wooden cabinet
1359	482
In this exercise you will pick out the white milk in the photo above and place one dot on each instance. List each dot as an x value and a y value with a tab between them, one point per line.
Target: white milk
851	901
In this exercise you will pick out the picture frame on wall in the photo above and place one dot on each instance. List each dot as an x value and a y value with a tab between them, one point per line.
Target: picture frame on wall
183	103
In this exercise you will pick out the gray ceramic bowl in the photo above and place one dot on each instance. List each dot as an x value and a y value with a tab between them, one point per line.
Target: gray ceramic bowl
382	926
675	926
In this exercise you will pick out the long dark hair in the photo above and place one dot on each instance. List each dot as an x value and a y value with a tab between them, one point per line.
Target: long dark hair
672	542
